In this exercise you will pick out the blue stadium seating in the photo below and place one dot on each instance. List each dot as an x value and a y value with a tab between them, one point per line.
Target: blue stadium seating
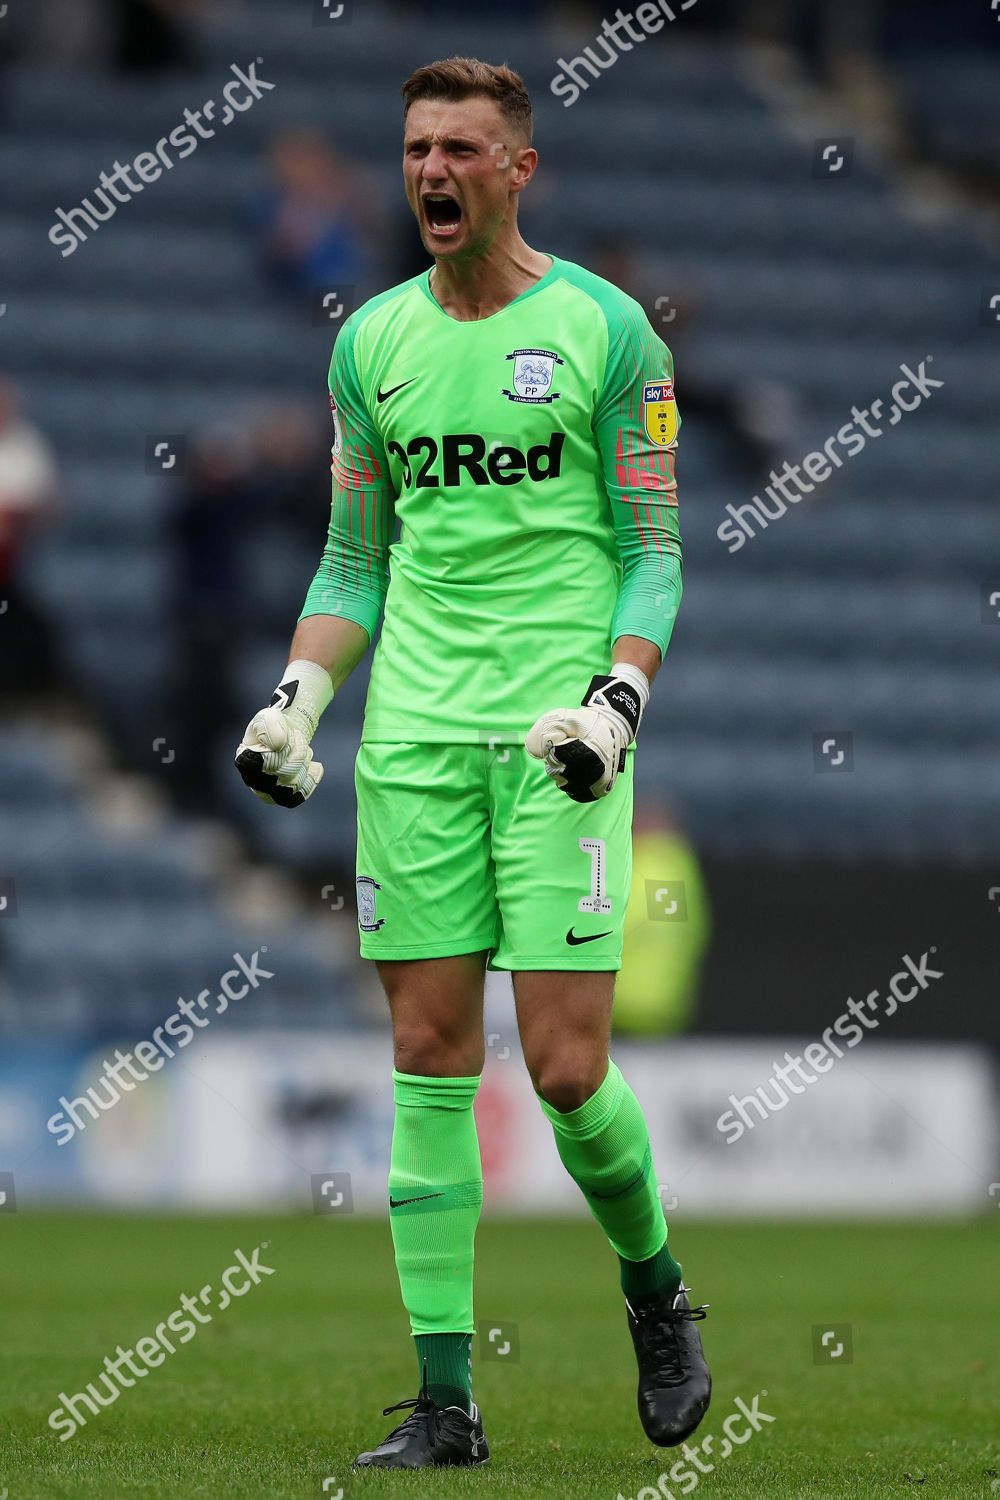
860	610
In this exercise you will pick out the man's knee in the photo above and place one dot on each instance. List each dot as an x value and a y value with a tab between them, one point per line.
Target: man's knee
568	1082
437	1015
437	1051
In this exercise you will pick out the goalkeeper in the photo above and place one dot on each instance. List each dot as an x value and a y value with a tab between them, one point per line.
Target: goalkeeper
515	414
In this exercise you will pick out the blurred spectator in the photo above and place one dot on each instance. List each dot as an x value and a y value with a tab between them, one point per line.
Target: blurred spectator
147	36
28	491
132	35
667	929
248	531
292	473
757	418
64	33
315	219
211	597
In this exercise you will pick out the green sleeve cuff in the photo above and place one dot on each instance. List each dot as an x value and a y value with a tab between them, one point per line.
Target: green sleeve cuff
325	599
652	583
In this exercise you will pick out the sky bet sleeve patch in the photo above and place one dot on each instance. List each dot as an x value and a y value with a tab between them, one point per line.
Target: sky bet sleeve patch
659	412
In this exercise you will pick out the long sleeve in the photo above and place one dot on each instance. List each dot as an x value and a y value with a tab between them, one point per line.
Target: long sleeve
353	575
636	424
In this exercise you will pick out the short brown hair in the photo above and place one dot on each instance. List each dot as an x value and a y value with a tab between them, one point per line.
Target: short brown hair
462	77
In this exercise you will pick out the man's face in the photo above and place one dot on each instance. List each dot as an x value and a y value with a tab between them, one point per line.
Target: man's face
463	165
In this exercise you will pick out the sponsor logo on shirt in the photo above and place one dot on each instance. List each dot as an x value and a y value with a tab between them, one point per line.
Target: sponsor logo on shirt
461	458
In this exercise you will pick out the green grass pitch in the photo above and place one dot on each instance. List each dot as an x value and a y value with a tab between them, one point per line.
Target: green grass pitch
280	1390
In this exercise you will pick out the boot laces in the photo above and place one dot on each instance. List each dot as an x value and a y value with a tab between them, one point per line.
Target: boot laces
659	1328
422	1406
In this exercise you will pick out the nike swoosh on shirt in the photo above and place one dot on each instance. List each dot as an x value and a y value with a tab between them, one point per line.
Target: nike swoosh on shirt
574	941
382	395
400	1202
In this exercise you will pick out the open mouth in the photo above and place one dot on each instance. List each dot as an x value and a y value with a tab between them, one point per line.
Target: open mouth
443	213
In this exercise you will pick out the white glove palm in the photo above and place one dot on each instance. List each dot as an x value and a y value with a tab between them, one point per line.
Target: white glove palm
584	748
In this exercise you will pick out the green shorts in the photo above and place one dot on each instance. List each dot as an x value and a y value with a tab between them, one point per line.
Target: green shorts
469	847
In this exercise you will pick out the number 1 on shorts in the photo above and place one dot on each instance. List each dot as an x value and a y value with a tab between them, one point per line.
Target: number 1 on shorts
597	901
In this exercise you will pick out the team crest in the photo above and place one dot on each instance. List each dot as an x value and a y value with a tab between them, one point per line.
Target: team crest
533	376
659	412
338	435
367	919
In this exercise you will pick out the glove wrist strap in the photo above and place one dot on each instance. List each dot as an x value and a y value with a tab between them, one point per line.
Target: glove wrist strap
303	694
625	691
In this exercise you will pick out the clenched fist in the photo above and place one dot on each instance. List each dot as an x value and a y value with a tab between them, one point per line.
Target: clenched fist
274	757
584	748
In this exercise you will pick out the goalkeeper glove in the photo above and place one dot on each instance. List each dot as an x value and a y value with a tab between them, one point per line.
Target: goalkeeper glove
274	758
584	748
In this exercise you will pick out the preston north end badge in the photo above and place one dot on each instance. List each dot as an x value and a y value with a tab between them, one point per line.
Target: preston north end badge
533	376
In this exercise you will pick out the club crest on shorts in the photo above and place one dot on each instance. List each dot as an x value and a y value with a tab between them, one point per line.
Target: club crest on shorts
338	434
533	376
367	920
659	412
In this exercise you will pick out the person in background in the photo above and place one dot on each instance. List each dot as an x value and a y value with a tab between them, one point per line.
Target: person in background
292	469
146	37
29	489
245	512
315	219
149	35
667	929
755	418
214	512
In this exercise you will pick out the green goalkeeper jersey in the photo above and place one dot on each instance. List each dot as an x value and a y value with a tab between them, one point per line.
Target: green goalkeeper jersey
528	459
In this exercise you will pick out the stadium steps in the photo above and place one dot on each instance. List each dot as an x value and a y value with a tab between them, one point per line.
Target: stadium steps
119	912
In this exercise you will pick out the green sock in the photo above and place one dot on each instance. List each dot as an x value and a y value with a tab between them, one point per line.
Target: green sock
447	1358
659	1276
604	1146
435	1198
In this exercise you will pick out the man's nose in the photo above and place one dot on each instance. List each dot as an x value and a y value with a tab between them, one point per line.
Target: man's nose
434	165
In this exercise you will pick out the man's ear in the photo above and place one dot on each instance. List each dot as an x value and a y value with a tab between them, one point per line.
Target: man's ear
524	163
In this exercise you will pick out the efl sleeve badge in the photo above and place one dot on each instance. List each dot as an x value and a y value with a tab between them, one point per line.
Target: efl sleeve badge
659	412
338	431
